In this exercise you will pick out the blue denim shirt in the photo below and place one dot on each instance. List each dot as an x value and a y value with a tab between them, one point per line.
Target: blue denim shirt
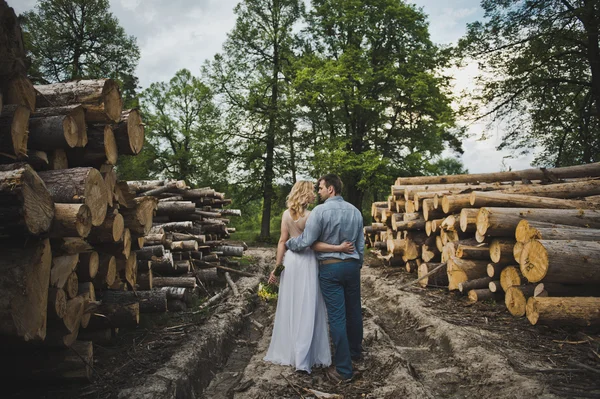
332	222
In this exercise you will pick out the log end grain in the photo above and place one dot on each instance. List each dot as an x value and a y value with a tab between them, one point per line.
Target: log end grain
534	261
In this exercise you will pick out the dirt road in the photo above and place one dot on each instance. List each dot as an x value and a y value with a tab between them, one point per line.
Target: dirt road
421	344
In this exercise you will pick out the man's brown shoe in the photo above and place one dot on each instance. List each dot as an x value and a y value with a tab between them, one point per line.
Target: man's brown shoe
334	376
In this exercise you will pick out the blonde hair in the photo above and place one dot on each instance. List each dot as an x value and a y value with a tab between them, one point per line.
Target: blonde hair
299	197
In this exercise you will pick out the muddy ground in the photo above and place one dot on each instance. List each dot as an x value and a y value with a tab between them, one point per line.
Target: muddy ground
419	343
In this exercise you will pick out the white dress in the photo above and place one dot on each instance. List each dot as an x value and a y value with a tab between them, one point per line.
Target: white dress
300	336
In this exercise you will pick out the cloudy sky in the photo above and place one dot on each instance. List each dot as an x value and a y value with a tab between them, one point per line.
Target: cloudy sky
175	34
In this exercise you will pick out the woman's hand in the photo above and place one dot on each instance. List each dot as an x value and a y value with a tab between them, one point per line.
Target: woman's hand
346	247
272	278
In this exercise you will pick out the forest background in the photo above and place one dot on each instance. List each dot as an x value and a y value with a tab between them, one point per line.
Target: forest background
354	87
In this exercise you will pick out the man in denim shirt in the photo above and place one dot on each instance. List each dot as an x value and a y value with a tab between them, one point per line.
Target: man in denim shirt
334	222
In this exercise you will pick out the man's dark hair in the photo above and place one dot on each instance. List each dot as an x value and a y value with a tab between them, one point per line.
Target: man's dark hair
331	179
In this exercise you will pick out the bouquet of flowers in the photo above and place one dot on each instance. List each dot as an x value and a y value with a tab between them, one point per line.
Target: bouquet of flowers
268	291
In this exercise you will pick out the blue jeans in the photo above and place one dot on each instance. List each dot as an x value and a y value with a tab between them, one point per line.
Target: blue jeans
340	285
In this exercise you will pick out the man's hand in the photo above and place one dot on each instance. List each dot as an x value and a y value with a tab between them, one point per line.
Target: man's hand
346	247
273	279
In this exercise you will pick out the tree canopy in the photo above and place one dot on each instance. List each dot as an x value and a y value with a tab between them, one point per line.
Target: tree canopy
540	76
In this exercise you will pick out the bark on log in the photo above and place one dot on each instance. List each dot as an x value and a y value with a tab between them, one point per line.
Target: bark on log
501	250
557	289
569	262
504	221
484	295
480	199
127	269
564	311
19	90
228	250
175	208
494	269
110	315
174	226
14	127
27	206
589	170
53	132
57	159
154	239
455	202
412	266
144	280
71	220
478	283
129	133
107	271
101	98
528	230
481	251
495	286
515	299
88	266
576	189
188	282
62	267
121	249
111	229
418	224
163	265
75	112
429	212
101	149
78	185
150	252
139	218
189	245
151	301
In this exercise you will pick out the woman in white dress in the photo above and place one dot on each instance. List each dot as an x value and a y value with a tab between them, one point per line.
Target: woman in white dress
300	336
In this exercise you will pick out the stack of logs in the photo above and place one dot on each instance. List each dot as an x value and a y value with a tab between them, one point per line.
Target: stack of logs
530	238
72	236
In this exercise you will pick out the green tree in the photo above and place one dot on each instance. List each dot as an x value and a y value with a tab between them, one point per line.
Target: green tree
253	74
78	39
376	104
540	76
183	131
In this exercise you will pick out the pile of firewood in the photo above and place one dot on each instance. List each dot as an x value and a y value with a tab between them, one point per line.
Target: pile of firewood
530	238
82	250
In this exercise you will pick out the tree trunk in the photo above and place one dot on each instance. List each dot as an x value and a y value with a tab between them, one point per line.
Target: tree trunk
127	269
88	266
494	269
175	208
429	250
516	299
501	250
564	311
78	185
139	218
71	220
14	127
429	213
461	270
481	252
484	295
527	231
188	245
569	262
112	315
188	282
153	301
590	170
163	265
101	98
468	220
557	289
150	252
27	206
495	286
129	133
53	132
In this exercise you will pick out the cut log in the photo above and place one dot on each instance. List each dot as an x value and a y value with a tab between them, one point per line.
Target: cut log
150	252
481	251
504	221
515	299
57	159
156	239
144	280
228	250
528	230
14	127
57	303
576	189
412	266
107	271
557	289
27	206
100	149
429	212
71	287
173	226
75	112
461	270
78	185
517	249
101	98
163	265
111	315
53	132
494	269
589	170
129	133
437	279
429	250
71	220
19	90
111	229
189	245
501	250
478	283
188	282
127	269
154	301
468	220
568	262
455	203
510	276
564	311
120	249
139	218
500	199
110	180
484	295
175	208
495	286
62	267
88	266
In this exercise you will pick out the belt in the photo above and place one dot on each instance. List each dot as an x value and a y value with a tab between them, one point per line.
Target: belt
330	261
